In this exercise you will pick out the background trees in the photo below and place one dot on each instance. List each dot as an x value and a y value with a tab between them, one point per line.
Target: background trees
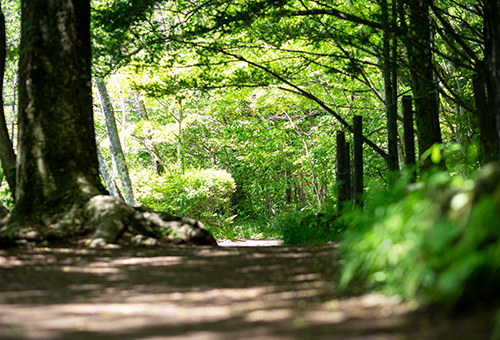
265	86
333	60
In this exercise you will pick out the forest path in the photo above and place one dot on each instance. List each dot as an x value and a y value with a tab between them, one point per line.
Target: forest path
238	291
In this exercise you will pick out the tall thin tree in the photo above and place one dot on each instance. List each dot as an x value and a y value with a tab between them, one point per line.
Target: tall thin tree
7	156
116	147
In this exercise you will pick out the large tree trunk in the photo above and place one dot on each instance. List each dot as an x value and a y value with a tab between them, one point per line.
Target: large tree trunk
7	156
390	94
424	93
57	152
486	118
58	180
492	72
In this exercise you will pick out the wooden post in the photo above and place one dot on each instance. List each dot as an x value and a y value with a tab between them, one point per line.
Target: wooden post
409	136
348	167
358	161
341	170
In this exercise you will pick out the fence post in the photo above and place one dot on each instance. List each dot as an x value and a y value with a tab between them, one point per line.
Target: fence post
349	171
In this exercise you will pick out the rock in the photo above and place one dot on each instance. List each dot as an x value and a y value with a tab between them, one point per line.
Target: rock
98	243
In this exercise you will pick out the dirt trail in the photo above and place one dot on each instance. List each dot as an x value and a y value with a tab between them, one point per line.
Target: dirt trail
238	291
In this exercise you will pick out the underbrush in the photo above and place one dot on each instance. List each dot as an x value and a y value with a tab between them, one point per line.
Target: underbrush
305	226
437	241
200	194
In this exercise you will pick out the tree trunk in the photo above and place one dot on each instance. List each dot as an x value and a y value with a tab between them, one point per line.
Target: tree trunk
299	190
269	203
486	118
492	72
123	108
316	189
288	187
109	181
389	94
420	62
342	170
7	156
180	142
115	144
409	136
13	113
57	152
358	161
140	110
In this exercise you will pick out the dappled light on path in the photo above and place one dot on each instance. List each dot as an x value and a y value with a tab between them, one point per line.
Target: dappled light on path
276	292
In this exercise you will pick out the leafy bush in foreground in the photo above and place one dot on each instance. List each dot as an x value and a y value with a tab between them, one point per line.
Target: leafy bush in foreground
438	241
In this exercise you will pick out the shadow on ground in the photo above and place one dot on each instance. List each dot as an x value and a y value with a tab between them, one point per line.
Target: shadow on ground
277	292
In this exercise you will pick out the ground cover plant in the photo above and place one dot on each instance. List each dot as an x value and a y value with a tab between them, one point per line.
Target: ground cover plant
435	241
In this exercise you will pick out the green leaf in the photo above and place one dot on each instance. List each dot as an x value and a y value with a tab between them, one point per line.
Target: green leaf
436	154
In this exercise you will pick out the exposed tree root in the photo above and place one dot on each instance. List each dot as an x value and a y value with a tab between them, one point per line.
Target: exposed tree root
105	220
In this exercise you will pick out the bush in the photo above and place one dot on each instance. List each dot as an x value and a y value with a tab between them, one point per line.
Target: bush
306	227
437	241
200	194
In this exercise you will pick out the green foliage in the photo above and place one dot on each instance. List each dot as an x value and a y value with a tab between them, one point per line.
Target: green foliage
6	198
433	242
381	246
306	227
200	194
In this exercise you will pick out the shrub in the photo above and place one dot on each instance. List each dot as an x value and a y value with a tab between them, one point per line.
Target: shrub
201	194
306	226
437	241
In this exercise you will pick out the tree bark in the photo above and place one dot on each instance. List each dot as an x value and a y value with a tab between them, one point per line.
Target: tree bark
123	108
487	121
139	108
116	148
7	156
424	94
358	161
299	190
109	181
409	136
180	141
492	62
57	162
389	94
269	203
288	187
342	170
